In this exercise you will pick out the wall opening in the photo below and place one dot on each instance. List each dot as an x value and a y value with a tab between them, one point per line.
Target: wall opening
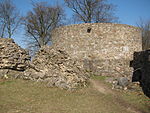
89	29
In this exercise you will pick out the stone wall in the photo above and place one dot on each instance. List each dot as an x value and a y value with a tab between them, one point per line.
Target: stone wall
103	48
12	56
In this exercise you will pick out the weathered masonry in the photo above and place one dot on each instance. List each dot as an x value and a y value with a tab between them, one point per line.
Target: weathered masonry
12	56
103	48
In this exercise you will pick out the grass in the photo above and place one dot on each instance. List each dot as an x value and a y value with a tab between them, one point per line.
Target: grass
18	96
101	78
134	98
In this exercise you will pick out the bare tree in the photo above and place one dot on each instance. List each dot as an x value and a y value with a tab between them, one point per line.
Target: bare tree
9	18
40	22
145	26
89	11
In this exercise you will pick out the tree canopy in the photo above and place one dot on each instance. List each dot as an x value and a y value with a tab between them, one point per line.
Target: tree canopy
40	22
89	11
9	18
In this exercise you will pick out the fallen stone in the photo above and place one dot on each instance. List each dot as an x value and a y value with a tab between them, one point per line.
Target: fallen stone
123	81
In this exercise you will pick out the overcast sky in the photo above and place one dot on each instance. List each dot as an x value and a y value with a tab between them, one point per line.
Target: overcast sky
128	11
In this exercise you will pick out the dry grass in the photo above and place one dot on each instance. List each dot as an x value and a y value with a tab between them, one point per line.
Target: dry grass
18	96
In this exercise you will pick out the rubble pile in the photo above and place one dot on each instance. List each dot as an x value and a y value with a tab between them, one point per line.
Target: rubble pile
118	82
12	56
55	67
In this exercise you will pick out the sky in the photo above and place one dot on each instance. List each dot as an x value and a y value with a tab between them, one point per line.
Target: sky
128	11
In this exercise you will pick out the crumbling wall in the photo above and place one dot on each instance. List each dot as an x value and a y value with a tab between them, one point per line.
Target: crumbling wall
12	56
103	48
50	65
56	68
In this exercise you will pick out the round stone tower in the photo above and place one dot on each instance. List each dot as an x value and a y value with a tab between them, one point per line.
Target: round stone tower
103	48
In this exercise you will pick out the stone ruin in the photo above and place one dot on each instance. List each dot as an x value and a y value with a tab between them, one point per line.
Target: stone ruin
13	59
104	49
141	73
12	56
50	65
55	67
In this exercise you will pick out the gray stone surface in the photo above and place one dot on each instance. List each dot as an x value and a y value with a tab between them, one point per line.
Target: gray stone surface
123	81
118	82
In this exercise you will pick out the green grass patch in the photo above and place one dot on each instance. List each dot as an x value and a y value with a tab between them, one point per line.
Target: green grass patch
18	96
101	78
138	99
